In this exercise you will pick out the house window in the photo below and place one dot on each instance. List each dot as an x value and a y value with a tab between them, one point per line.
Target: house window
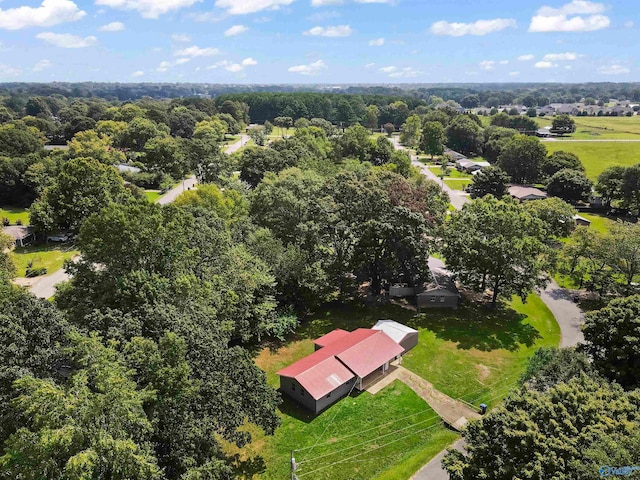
433	299
329	395
442	299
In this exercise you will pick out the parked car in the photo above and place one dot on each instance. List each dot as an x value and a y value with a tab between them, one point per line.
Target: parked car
59	237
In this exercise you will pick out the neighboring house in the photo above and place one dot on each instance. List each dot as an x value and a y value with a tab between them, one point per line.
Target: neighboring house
546	110
581	221
454	155
525	194
544	132
470	166
21	234
342	361
404	336
441	292
567	109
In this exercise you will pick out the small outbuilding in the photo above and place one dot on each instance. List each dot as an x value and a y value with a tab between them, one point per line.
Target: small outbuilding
406	337
21	234
441	293
581	221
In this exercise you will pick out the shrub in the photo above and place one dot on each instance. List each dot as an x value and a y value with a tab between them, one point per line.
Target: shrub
5	222
19	221
35	271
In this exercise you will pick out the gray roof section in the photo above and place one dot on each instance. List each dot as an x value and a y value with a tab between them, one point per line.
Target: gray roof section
397	331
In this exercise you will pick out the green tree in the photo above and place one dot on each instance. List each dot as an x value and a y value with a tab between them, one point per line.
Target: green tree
90	144
559	161
495	138
563	124
18	139
432	139
464	135
556	214
521	158
549	434
610	335
182	122
550	366
496	243
570	185
489	181
283	123
389	128
630	188
255	162
83	186
228	204
140	131
610	183
371	118
166	155
92	427
410	135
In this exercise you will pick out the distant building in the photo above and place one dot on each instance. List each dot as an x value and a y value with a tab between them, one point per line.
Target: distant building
581	221
525	194
22	235
440	293
567	109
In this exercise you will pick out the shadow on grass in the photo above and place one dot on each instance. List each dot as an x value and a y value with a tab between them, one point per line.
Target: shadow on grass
291	408
247	469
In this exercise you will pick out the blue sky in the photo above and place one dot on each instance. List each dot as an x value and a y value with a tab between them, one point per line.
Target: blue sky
318	41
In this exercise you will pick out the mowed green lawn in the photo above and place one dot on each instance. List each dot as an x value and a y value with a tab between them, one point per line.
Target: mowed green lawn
453	173
457	183
604	128
52	257
14	214
598	156
152	195
474	353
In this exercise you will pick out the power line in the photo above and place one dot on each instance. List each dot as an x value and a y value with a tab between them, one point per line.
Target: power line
370	440
368	451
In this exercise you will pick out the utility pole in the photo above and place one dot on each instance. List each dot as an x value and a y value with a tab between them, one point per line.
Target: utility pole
293	465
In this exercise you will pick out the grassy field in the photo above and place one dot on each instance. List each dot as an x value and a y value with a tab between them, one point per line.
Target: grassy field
457	183
14	214
152	195
51	257
597	156
453	173
278	132
474	353
604	128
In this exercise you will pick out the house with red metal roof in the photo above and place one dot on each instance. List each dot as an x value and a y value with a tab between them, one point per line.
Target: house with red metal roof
342	361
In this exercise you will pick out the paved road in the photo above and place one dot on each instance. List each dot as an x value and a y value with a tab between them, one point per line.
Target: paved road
433	470
567	313
457	198
46	286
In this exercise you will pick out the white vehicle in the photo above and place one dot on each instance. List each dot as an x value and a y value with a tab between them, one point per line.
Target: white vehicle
60	237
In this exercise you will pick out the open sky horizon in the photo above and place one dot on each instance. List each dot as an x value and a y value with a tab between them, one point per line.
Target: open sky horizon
318	41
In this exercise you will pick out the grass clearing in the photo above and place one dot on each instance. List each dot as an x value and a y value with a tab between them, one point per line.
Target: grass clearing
598	156
453	173
152	195
604	128
278	132
457	183
52	257
14	214
475	353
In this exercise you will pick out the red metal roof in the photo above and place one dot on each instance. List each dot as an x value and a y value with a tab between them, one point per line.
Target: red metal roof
361	351
330	337
325	377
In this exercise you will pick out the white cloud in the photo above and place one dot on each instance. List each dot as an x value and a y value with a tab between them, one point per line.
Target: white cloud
481	27
66	40
334	31
182	60
234	67
406	72
389	69
196	51
370	65
164	66
555	57
309	69
148	8
487	64
613	70
49	13
137	73
378	42
322	3
504	62
180	37
576	16
248	62
112	27
9	71
235	30
207	17
243	7
526	58
42	65
514	74
544	64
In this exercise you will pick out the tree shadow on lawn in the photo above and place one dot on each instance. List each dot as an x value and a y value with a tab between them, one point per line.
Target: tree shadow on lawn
479	327
247	469
291	408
